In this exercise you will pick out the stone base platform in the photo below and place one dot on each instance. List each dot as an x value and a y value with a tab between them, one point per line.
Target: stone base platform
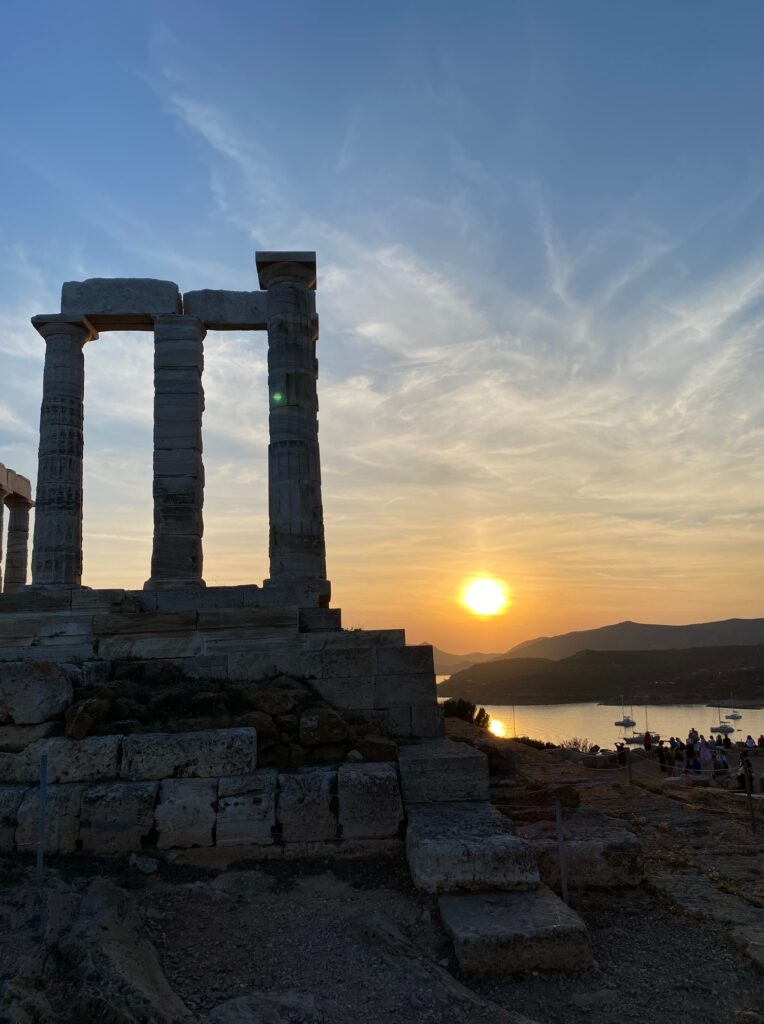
505	933
227	633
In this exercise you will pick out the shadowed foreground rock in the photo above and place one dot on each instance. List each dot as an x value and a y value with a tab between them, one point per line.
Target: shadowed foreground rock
95	965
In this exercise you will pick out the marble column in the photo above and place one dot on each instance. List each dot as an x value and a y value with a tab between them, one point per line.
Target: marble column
57	550
297	548
176	559
17	551
3	494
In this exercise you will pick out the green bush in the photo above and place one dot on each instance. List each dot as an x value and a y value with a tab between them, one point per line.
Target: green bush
456	707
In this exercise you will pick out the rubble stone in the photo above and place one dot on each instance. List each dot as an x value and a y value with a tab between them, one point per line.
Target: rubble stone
33	691
304	808
205	754
118	817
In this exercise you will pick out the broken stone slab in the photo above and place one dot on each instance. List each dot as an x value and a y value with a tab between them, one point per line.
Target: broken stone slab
442	770
507	933
33	691
10	801
205	754
322	725
599	852
247	809
369	800
468	847
185	814
92	759
62	818
120	303
305	806
151	647
226	310
118	817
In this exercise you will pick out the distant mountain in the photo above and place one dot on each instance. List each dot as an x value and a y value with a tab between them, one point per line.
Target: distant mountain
638	636
622	636
691	675
446	663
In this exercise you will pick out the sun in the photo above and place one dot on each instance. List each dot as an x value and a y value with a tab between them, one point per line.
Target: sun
485	596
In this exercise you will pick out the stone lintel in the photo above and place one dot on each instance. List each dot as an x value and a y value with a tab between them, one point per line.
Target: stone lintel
271	265
228	311
49	324
120	303
18	489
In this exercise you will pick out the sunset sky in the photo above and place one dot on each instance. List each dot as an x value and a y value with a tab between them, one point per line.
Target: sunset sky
540	239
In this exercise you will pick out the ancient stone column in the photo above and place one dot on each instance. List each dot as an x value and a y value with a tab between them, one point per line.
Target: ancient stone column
57	551
3	493
297	549
176	559
17	552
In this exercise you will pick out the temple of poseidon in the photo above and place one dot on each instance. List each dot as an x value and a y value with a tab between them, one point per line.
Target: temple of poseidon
244	720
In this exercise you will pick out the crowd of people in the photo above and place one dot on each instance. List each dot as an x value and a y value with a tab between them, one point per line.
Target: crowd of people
700	756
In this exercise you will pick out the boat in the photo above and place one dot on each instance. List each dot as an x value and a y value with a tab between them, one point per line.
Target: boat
722	727
639	737
733	716
625	721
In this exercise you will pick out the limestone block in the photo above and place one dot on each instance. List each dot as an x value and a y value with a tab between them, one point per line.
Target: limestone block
185	814
405	661
228	311
145	623
506	933
354	638
65	631
88	760
117	818
33	692
10	801
103	601
247	809
599	852
120	303
369	799
257	621
390	691
267	659
305	806
347	692
466	846
35	601
348	661
320	620
62	818
204	754
397	721
194	599
441	770
153	646
427	721
15	738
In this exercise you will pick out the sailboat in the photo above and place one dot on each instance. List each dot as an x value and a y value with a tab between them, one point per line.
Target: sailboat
639	737
722	727
625	720
733	716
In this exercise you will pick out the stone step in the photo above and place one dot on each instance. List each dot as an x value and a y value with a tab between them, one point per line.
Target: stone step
466	846
503	933
600	852
441	770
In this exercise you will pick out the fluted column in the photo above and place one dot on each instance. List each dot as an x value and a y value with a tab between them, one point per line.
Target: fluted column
176	559
3	493
57	551
17	551
297	548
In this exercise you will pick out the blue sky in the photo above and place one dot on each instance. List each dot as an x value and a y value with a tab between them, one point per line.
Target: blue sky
540	239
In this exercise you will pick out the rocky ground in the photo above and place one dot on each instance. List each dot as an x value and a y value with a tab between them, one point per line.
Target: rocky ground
349	941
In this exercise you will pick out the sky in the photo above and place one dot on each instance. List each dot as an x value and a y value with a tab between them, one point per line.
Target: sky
540	238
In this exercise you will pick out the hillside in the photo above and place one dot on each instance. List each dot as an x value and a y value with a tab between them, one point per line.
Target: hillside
640	636
621	636
698	674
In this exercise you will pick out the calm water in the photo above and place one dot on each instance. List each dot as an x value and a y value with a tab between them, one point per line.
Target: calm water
556	723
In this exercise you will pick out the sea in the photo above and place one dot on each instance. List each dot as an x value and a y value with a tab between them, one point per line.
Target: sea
558	723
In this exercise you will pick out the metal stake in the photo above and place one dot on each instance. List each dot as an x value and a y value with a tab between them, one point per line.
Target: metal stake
561	845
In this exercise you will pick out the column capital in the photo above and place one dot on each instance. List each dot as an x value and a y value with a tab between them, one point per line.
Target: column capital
51	324
273	266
